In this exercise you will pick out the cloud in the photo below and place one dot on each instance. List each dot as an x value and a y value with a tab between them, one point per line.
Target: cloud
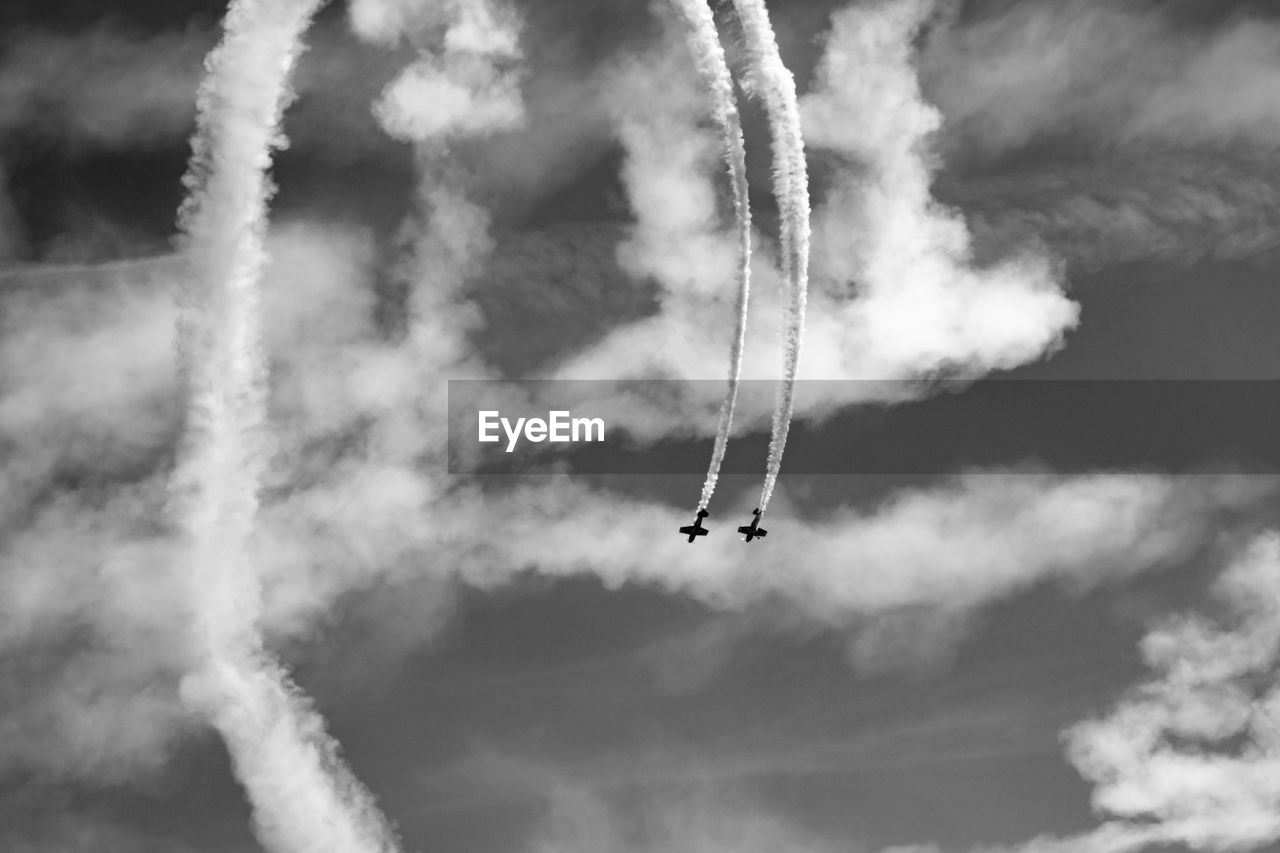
678	239
895	268
92	637
953	549
468	85
1130	84
681	240
353	503
1110	132
86	364
388	21
895	290
93	616
1103	73
1186	757
1148	205
466	97
348	509
579	820
1190	755
579	812
103	87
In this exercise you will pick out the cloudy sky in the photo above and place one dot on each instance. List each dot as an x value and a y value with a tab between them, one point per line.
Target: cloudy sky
1021	589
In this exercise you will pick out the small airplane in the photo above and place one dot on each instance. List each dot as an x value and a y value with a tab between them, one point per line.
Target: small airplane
696	529
753	530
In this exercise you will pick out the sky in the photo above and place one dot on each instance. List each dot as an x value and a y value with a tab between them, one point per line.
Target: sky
1019	591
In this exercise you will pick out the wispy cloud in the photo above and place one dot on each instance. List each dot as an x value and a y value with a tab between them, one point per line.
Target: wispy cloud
1104	74
342	514
103	87
1145	205
700	821
1153	137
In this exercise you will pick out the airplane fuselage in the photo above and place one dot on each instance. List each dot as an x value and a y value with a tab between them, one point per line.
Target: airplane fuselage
696	529
753	530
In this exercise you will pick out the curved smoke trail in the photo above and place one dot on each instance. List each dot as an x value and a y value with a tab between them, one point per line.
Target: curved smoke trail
777	89
303	798
704	40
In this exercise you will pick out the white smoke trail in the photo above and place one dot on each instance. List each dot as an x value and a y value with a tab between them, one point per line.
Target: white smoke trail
777	89
704	41
303	799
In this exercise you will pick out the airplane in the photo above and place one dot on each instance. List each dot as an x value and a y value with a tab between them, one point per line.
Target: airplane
696	529
753	530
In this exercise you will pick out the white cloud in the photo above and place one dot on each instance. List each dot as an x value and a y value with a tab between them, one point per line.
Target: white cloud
1192	754
349	506
353	505
955	549
894	266
464	97
466	86
895	289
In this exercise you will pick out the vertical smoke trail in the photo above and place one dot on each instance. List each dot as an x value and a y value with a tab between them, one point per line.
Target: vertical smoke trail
704	41
777	89
303	798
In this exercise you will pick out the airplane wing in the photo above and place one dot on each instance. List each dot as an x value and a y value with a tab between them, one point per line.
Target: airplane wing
746	529
687	529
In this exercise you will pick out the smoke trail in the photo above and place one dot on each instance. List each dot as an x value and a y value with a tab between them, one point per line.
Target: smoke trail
704	41
302	797
777	89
